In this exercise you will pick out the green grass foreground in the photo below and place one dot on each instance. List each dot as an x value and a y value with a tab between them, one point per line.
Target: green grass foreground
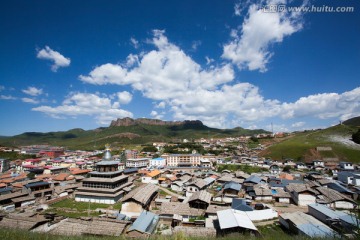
269	232
72	209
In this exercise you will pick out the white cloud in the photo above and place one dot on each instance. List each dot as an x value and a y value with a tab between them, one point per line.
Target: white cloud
156	115
86	104
7	97
33	91
325	106
195	44
106	74
134	43
298	124
251	48
209	60
30	100
161	105
59	60
174	80
124	97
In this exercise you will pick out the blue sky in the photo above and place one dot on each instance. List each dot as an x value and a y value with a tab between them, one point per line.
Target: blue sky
81	64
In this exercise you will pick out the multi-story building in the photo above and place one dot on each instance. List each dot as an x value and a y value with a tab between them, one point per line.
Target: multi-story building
157	162
137	162
4	165
130	154
105	184
183	160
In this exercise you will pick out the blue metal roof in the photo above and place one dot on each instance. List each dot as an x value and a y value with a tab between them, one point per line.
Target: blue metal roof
253	179
7	189
145	223
312	230
36	184
232	185
158	159
240	204
130	170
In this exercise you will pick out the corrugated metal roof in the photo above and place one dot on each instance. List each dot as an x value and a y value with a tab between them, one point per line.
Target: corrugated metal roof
231	218
145	223
232	185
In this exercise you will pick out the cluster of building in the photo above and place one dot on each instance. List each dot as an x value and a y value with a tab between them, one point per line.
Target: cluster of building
178	193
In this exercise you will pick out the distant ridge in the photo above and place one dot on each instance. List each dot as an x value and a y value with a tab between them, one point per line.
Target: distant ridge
125	122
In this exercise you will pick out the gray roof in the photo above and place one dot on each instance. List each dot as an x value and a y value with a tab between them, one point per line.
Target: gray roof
171	208
202	196
145	223
142	194
335	214
329	195
308	225
299	188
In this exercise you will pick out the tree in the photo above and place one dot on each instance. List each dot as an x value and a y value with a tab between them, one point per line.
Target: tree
356	137
31	175
287	168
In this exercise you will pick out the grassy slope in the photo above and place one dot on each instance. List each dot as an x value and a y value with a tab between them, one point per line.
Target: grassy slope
80	139
300	146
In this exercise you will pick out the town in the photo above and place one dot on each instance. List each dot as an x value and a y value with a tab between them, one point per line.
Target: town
171	188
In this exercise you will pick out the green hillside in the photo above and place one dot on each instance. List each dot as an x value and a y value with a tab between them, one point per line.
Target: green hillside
302	147
121	136
353	122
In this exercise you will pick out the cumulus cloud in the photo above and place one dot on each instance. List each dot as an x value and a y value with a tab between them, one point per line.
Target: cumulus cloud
59	60
30	100
86	104
251	48
33	91
172	79
325	105
124	97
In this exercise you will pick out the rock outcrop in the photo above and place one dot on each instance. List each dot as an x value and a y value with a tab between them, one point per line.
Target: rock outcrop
131	122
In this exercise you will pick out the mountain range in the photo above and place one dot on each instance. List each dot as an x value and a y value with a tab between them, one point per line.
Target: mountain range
126	131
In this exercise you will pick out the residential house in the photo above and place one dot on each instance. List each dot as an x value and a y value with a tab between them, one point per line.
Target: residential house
346	166
233	221
352	178
195	186
139	199
144	225
274	169
200	200
262	193
334	199
337	219
177	212
179	185
300	166
343	190
304	224
152	177
301	194
279	195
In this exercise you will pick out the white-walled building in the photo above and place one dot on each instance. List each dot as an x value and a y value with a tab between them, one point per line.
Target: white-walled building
157	162
137	162
176	160
4	165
